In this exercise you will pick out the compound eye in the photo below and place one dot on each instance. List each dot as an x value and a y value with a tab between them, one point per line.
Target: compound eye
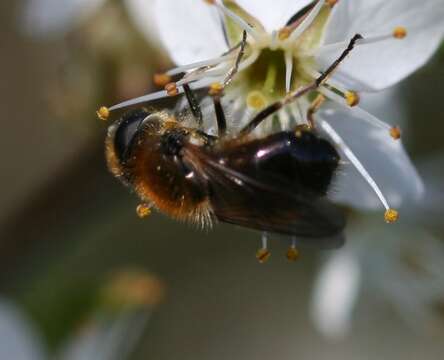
128	126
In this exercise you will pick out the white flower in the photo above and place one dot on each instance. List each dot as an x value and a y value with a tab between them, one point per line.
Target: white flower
18	338
289	44
403	266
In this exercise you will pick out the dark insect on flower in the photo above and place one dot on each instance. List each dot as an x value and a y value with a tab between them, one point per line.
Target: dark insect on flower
276	184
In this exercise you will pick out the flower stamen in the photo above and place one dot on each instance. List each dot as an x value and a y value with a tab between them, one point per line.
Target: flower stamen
288	70
200	64
171	89
331	3
161	79
394	132
352	98
159	95
103	113
296	32
391	215
235	18
263	254
398	33
256	100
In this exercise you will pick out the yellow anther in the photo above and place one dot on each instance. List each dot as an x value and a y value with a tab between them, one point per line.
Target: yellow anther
216	89
292	254
284	33
162	79
103	113
256	100
399	32
262	255
171	89
331	3
395	132
391	216
209	2
143	211
351	98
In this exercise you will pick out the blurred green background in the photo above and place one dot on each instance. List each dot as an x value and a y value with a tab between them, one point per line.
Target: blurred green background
67	225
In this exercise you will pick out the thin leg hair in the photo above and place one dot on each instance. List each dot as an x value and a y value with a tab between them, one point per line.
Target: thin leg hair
218	109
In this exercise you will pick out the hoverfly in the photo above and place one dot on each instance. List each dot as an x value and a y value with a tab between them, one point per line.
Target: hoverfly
276	184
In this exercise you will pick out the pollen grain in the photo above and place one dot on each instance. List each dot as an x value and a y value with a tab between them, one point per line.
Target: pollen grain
216	89
103	113
395	132
399	32
161	79
171	89
391	216
352	98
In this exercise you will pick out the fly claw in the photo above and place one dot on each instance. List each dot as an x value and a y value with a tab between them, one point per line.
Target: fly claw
262	255
143	210
293	252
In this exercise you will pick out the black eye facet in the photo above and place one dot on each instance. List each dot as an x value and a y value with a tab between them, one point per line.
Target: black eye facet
128	126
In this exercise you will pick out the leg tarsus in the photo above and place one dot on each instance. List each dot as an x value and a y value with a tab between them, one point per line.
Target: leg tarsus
239	57
261	116
194	105
220	116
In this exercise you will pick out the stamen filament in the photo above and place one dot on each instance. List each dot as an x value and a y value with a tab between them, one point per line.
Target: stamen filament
355	161
364	115
274	40
306	22
237	19
159	95
364	41
199	64
288	70
201	75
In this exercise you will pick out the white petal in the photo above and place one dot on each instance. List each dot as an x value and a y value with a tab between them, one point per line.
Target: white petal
190	30
388	105
273	15
142	14
106	338
380	65
55	17
384	158
18	339
335	294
